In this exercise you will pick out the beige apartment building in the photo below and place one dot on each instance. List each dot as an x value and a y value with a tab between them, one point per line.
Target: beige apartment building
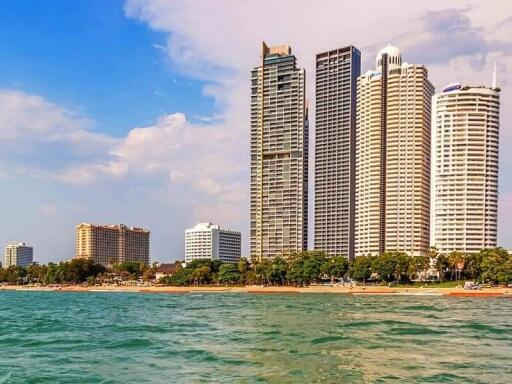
107	244
393	157
465	129
279	155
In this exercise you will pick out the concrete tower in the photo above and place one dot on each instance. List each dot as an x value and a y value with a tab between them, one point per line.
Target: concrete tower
279	155
335	150
465	129
393	157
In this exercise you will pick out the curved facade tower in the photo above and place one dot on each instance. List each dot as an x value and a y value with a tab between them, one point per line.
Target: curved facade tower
393	157
465	130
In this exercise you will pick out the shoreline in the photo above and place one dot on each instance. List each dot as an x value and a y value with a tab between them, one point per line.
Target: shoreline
358	290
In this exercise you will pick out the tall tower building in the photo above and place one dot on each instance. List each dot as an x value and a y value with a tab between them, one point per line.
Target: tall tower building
335	150
279	155
393	157
465	129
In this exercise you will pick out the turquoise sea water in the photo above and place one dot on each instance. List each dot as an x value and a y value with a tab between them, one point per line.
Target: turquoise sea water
59	337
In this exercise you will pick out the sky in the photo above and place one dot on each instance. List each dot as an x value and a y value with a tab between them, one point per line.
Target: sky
137	111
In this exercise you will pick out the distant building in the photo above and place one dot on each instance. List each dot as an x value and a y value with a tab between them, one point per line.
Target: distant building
465	128
19	255
279	155
393	157
335	150
107	244
209	241
165	270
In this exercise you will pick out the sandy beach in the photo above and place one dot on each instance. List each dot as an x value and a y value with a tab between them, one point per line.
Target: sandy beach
358	290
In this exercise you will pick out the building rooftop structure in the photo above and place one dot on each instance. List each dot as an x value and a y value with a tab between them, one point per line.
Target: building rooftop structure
115	226
394	57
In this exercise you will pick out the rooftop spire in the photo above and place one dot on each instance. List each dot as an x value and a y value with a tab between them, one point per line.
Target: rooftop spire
494	77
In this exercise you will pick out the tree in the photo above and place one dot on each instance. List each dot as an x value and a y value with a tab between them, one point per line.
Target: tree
263	271
13	274
442	264
360	268
229	274
472	266
384	265
201	274
149	272
278	270
35	273
180	278
335	267
133	269
496	265
392	266
433	252
243	268
454	260
417	265
304	267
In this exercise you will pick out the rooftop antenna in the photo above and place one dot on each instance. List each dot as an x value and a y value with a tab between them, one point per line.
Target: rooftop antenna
494	77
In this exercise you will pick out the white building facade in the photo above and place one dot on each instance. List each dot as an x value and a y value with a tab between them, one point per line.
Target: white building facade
210	241
19	255
465	130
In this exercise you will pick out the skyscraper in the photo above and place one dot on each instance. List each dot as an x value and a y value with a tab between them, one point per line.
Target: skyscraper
279	155
335	150
465	128
107	244
393	157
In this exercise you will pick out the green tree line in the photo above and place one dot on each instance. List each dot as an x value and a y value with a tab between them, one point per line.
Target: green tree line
75	271
299	269
304	268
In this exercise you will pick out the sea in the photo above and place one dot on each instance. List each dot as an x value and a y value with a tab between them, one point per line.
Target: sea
110	337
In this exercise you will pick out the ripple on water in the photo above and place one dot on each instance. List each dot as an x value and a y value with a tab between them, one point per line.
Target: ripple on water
239	338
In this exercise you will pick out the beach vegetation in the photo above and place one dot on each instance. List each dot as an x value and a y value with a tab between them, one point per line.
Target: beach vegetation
489	266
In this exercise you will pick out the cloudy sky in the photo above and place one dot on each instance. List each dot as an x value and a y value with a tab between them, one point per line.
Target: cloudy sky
137	111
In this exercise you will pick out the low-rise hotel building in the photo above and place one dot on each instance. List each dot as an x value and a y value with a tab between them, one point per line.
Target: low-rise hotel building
18	255
108	244
210	241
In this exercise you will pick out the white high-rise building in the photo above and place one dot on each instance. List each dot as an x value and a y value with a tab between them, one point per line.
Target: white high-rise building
209	241
18	255
465	130
392	208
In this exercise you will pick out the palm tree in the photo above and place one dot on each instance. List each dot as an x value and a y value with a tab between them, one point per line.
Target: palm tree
441	264
456	259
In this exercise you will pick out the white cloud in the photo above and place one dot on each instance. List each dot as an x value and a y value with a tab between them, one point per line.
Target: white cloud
172	164
31	117
189	153
174	172
218	41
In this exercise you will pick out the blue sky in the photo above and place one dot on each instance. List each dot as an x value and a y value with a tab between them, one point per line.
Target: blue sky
87	55
137	111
